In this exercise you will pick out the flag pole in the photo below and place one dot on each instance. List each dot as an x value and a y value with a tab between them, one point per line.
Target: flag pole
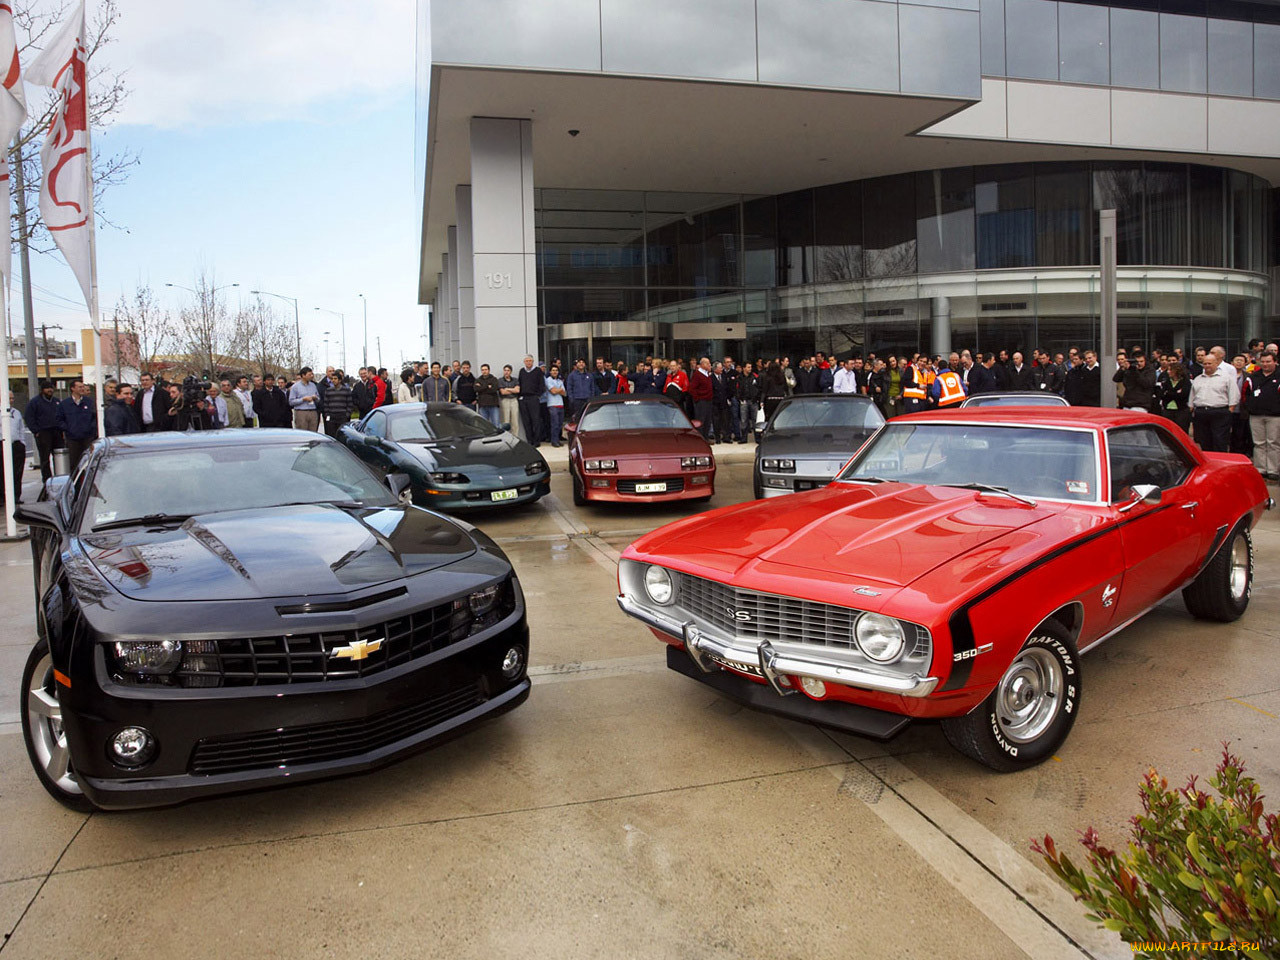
94	317
10	525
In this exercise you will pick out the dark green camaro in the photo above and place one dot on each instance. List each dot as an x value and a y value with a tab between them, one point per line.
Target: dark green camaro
456	458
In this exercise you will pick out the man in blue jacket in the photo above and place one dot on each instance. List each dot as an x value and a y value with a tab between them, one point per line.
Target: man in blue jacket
42	421
579	387
78	421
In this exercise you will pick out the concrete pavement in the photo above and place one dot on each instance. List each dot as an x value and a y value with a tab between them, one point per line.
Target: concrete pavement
626	811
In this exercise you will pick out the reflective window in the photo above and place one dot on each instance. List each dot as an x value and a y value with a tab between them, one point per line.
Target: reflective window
711	38
1031	39
1206	211
944	220
1084	49
1231	58
1004	200
1183	53
759	242
1135	49
590	237
795	237
992	21
1239	212
837	249
889	226
940	51
1063	218
1266	60
1166	211
1120	187
853	44
527	37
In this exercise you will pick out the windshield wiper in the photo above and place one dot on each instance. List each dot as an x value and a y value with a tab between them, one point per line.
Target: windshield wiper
991	488
868	480
151	519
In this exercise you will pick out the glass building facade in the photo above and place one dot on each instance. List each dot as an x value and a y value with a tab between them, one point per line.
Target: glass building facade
996	257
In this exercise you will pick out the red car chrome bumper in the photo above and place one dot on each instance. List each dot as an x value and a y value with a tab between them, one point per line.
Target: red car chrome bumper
611	488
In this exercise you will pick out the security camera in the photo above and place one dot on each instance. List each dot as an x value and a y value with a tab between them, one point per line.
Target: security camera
574	133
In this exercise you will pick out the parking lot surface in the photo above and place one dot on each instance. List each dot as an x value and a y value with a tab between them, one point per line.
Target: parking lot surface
627	811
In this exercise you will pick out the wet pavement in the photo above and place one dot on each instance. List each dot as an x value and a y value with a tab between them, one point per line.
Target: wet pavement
627	811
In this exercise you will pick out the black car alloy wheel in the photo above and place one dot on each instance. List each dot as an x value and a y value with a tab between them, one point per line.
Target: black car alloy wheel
44	733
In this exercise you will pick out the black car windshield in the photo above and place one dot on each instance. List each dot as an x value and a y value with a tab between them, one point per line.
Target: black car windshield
821	412
635	415
1017	400
442	422
1027	461
191	481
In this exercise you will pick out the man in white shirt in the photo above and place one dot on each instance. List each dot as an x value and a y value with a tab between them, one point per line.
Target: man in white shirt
846	379
1214	398
245	394
150	397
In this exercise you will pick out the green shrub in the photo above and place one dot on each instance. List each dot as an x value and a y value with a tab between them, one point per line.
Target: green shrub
1200	876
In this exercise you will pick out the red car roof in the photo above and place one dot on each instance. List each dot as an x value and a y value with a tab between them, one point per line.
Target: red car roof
1099	418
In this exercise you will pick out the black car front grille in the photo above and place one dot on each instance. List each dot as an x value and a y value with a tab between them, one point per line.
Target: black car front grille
674	485
326	742
311	658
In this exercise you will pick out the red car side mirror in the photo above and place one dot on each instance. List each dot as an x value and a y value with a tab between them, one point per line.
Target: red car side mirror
697	424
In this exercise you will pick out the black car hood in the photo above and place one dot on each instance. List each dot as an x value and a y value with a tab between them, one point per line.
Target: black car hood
501	452
297	551
815	443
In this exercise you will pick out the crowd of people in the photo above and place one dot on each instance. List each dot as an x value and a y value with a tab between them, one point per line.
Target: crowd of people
1225	405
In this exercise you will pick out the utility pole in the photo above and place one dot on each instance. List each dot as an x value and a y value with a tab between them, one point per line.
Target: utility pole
24	257
44	333
379	353
116	319
364	357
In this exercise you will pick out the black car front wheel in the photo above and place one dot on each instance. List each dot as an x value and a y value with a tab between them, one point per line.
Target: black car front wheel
1032	709
44	733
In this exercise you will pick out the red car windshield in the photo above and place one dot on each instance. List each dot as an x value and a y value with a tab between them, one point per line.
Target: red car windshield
1043	462
635	415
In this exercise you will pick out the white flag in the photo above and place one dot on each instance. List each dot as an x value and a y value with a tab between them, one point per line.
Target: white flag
66	198
13	110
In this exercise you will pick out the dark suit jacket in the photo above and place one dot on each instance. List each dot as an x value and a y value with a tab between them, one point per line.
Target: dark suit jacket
1020	380
159	407
981	380
272	407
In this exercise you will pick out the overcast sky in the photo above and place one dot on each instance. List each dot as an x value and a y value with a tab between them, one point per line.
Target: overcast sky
276	146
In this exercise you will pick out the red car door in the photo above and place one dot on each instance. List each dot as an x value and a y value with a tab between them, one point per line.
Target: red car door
1160	541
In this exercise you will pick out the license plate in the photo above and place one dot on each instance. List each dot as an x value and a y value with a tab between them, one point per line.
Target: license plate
504	495
651	488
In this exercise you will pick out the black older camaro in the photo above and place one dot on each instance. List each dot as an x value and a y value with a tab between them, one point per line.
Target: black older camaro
234	609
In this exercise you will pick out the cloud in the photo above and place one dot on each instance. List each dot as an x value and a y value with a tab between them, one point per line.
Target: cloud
254	61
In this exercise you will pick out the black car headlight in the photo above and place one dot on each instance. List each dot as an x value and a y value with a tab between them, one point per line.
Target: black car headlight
695	463
533	469
482	609
778	466
454	478
147	657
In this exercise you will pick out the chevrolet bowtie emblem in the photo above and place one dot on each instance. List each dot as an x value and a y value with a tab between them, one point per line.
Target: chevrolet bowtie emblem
358	650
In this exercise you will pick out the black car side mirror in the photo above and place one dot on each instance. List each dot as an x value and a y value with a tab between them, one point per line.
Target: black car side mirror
399	483
42	513
506	427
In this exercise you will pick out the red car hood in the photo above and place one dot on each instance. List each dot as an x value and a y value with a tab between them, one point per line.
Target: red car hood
642	443
890	533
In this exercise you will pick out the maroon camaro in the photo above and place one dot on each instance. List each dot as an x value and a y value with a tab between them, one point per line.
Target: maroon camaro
628	449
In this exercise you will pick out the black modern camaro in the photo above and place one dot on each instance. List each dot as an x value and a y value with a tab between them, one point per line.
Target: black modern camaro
234	609
455	458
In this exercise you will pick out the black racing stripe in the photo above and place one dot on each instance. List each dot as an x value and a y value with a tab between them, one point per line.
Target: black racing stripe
961	627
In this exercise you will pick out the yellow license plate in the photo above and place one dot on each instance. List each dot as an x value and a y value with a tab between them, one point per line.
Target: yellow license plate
651	488
504	495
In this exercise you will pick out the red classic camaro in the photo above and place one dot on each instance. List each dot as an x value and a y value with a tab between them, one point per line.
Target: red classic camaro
954	570
627	449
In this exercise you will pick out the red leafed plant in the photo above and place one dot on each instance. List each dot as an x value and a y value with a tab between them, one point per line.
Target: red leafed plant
1199	867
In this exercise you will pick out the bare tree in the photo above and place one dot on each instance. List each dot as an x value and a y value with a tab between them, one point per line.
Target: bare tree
263	338
205	330
107	94
153	326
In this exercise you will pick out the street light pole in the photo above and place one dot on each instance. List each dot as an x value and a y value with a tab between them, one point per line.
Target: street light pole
297	325
343	318
365	354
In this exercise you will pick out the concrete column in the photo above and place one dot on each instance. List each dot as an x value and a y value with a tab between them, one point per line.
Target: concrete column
502	240
941	316
465	295
1252	327
455	331
444	332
